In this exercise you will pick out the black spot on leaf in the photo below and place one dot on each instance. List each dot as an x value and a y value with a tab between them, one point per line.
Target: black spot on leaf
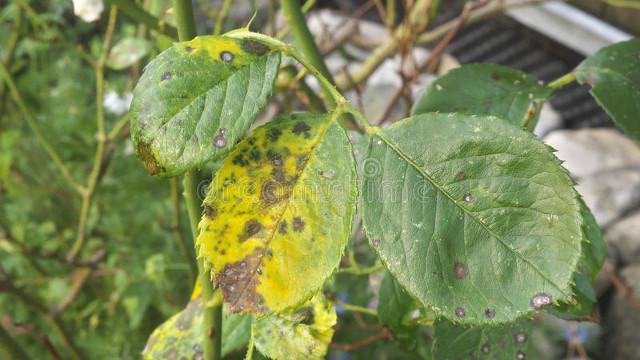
254	47
460	312
210	212
251	228
283	227
459	270
165	76
189	49
226	56
490	313
273	134
301	127
298	224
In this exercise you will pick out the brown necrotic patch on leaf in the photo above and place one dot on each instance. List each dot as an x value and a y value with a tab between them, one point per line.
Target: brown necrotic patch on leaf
298	224
251	228
254	47
144	153
238	282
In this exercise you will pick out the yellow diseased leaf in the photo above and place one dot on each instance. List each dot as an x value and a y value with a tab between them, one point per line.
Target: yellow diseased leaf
304	333
278	213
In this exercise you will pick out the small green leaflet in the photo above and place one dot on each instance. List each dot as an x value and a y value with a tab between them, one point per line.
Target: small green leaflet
452	341
614	76
197	99
299	334
486	89
464	210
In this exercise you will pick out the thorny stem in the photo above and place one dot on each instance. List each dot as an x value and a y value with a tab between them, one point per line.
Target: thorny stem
562	81
212	329
88	192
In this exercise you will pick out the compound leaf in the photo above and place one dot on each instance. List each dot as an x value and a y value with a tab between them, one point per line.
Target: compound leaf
303	333
486	89
614	76
481	223
452	341
197	99
278	213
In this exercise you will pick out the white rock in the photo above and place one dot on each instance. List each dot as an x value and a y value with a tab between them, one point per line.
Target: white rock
609	194
88	10
624	236
549	120
589	151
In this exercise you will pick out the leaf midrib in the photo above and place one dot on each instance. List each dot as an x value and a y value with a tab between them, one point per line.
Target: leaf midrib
432	181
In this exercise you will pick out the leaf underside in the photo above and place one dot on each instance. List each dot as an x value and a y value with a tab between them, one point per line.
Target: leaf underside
278	213
474	217
452	341
303	333
614	76
197	99
486	89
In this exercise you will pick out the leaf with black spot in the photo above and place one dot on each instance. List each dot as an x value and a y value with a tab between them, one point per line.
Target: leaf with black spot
452	341
180	336
282	224
488	247
298	334
196	99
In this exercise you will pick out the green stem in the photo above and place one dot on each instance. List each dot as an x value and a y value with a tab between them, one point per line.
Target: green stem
183	244
562	81
130	9
221	15
212	310
212	334
296	20
356	308
249	355
354	270
184	19
9	349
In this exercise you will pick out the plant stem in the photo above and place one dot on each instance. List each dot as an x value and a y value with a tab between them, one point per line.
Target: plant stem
184	19
212	335
296	20
356	308
87	193
562	81
9	349
130	9
221	15
212	310
183	244
353	270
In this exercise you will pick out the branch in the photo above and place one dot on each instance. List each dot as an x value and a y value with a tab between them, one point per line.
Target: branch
177	229
384	334
388	47
131	10
9	348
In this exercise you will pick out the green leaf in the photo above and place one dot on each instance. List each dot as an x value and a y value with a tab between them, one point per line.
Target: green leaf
278	213
181	335
614	76
127	52
486	89
394	303
474	217
303	333
452	341
197	99
594	248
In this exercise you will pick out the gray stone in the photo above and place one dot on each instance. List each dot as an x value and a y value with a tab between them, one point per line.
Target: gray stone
622	321
624	237
610	194
590	151
549	120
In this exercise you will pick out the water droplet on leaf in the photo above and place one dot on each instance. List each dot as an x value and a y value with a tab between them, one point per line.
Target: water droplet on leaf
539	300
